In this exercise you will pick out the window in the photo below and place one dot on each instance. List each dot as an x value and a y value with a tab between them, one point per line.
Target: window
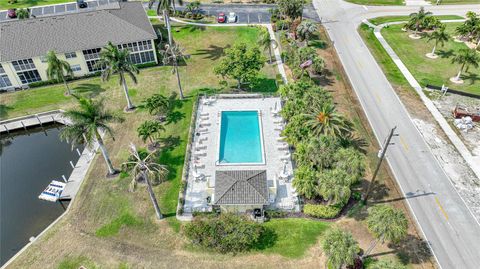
4	81
22	65
70	55
142	57
76	68
92	66
43	59
137	46
92	54
29	76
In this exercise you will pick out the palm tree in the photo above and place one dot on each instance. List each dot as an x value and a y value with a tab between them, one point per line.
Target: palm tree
158	104
58	69
146	168
334	186
171	54
116	61
306	29
150	130
87	122
386	223
23	13
340	247
266	42
351	161
164	8
466	58
386	264
325	120
417	19
305	181
440	36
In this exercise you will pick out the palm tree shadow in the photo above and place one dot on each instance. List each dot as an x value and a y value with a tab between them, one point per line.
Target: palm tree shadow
174	117
89	90
267	239
169	142
445	53
166	157
412	250
213	52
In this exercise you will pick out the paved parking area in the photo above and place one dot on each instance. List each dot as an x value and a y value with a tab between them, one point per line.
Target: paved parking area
60	8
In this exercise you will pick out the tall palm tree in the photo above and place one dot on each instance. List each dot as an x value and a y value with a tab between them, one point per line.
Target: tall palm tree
417	19
116	61
146	168
466	58
58	69
266	42
325	120
306	29
440	36
340	247
87	122
386	223
171	55
163	8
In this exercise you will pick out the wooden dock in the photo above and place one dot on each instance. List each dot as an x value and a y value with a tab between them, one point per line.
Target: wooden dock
30	121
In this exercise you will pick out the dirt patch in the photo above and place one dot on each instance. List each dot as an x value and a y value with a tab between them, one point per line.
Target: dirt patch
446	104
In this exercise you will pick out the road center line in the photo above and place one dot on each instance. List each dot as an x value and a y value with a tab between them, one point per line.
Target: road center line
404	143
441	208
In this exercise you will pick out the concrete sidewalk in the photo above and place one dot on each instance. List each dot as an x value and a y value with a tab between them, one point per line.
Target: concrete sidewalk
473	161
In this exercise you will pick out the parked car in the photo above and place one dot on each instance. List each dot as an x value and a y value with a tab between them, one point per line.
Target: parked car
232	17
221	18
12	13
82	4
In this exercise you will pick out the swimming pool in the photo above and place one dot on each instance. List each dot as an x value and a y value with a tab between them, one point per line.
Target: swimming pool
240	138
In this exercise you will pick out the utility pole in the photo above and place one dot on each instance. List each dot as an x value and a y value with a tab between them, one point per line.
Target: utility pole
382	153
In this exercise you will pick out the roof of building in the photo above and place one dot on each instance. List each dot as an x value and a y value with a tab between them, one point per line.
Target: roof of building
119	23
241	187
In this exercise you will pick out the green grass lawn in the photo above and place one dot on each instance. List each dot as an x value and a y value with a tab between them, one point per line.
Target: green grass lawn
378	2
292	237
431	71
381	20
389	68
30	3
454	2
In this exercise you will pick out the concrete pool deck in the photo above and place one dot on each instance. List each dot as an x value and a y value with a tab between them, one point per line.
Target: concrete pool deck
204	154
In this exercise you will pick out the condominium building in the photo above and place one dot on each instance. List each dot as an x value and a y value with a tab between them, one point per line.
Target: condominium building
76	37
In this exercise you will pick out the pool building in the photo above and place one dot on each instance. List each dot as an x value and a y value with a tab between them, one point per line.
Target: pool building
238	160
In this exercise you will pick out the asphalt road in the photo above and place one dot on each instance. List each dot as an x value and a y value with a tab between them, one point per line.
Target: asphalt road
449	227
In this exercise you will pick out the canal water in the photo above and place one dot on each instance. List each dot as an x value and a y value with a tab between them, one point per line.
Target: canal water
29	161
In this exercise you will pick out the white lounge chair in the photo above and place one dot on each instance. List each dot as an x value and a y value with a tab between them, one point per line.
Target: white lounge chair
204	114
285	157
200	153
203	130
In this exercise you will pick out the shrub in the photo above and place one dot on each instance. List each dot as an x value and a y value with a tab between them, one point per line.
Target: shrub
272	213
225	233
318	65
322	211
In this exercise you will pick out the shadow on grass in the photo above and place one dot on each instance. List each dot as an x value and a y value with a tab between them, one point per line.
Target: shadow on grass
264	85
166	157
471	77
213	52
174	117
411	250
445	53
191	28
88	90
170	142
267	239
4	111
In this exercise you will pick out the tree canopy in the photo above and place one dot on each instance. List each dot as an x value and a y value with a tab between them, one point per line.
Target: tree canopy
340	247
242	63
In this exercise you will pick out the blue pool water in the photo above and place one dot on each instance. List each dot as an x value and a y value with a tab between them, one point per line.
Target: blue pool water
240	140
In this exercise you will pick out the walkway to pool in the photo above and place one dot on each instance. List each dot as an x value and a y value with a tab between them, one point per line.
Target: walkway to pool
205	151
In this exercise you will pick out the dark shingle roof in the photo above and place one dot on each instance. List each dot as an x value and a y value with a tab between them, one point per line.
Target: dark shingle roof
241	187
119	23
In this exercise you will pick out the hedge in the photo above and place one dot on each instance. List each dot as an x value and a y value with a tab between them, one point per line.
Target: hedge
322	211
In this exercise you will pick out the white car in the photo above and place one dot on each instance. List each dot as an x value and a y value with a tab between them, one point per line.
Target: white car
232	17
